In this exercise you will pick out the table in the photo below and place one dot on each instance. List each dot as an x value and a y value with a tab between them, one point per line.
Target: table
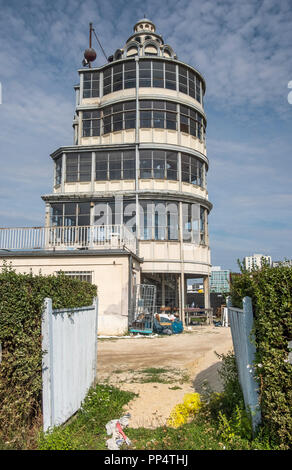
206	313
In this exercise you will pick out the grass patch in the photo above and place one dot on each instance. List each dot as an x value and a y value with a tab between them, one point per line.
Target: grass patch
162	375
192	436
86	431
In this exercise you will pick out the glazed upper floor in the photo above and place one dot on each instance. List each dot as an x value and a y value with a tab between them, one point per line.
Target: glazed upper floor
153	64
127	121
166	76
130	168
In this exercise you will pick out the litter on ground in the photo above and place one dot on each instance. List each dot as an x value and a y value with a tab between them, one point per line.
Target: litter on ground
115	427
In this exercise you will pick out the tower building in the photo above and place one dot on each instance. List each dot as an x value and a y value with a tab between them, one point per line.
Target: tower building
138	161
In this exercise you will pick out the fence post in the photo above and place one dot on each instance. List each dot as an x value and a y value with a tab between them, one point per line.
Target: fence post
47	365
252	386
95	302
241	323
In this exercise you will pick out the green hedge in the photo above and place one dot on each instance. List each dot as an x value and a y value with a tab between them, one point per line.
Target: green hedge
21	302
271	293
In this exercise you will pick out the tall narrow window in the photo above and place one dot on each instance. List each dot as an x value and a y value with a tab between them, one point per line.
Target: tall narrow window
202	224
183	79
158	164
71	167
185	168
118	77
83	213
91	123
184	119
187	222
171	115
101	166
198	90
130	74
58	177
171	165
172	220
107	81
170	76
85	166
192	84
117	110
129	165
158	75
70	213
57	215
107	119
90	84
145	73
129	115
115	165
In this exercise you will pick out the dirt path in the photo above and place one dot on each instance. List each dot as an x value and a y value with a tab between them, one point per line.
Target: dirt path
162	369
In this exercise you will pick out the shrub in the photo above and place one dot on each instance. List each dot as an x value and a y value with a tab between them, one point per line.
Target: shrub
271	293
21	303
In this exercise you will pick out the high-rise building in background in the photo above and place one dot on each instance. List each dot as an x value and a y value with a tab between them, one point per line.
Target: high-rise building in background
255	261
219	280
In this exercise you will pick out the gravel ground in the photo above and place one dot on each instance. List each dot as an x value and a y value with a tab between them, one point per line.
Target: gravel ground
162	369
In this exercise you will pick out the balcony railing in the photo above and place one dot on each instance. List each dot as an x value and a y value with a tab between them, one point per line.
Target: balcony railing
81	237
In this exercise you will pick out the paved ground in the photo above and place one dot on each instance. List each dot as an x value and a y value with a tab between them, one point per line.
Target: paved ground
162	369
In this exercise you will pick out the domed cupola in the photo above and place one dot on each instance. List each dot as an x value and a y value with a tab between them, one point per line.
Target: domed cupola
145	41
144	25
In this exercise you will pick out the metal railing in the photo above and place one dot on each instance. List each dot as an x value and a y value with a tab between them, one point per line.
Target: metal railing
74	237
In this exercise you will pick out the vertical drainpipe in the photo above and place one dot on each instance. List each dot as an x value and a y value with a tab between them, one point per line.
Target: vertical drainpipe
137	156
80	112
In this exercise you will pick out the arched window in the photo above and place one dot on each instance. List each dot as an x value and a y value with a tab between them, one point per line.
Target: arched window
167	53
150	49
133	50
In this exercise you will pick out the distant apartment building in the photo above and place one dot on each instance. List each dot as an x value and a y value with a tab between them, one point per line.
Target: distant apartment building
219	280
287	262
255	261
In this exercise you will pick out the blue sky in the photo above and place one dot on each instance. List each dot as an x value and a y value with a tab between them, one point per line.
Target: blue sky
243	49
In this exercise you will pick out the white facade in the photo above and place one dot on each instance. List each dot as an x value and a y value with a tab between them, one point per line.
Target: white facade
255	261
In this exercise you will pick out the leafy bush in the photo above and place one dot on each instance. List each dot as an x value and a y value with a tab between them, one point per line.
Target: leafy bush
21	303
271	293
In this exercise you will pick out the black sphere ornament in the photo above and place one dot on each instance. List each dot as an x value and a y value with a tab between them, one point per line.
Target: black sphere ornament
90	54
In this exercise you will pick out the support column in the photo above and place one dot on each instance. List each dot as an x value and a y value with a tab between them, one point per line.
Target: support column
182	273
162	290
48	215
182	296
206	292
